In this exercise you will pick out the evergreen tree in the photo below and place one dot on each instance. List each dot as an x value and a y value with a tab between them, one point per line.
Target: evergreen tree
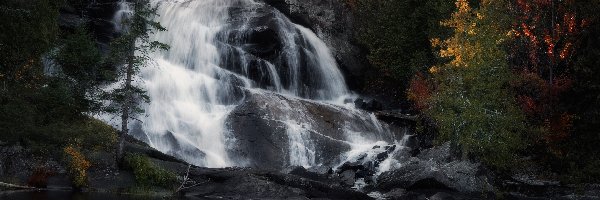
396	34
133	48
29	29
80	63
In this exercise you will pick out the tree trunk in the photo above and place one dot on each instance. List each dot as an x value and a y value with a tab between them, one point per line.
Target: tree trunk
126	107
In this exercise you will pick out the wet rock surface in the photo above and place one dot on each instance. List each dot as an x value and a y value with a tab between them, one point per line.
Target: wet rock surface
260	123
332	21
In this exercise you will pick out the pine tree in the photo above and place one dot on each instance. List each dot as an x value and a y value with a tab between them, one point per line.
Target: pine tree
133	48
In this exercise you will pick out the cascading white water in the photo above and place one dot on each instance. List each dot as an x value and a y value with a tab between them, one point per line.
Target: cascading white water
186	84
123	13
302	151
195	85
190	90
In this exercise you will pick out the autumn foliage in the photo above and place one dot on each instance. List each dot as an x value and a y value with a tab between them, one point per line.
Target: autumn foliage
77	166
545	33
39	177
419	91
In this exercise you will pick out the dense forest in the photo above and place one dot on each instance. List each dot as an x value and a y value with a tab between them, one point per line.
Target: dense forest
513	84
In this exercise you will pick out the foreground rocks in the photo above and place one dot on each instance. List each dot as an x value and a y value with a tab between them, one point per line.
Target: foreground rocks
432	174
434	169
238	183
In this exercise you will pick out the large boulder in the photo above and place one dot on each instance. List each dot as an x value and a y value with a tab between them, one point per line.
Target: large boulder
275	131
435	169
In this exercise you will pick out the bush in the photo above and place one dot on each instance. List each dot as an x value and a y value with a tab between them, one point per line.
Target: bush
39	177
77	166
148	174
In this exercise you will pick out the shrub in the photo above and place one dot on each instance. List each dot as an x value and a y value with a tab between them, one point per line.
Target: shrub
39	177
148	174
77	166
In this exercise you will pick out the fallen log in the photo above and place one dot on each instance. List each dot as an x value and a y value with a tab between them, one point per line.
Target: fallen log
386	115
13	186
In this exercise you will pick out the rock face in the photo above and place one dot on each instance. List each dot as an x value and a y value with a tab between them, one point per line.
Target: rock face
434	169
332	21
274	131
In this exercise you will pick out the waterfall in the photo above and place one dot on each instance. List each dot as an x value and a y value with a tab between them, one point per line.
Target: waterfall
221	50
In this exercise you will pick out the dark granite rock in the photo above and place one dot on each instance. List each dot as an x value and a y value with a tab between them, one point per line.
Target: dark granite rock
240	183
332	21
260	124
348	177
433	169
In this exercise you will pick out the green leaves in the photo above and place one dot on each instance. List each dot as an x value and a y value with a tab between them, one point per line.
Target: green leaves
132	50
473	104
147	173
80	60
396	33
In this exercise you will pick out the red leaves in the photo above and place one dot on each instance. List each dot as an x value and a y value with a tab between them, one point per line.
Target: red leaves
559	128
419	91
528	105
540	102
39	177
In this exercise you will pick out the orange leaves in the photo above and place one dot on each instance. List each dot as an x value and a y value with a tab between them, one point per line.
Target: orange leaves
550	46
527	32
550	28
566	51
547	30
78	166
570	21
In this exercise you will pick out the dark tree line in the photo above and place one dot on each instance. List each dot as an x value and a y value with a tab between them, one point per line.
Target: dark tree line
51	77
503	81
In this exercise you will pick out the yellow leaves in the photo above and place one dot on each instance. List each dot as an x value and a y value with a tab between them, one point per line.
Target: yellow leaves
471	29
512	33
462	6
435	42
78	165
479	15
434	69
463	47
